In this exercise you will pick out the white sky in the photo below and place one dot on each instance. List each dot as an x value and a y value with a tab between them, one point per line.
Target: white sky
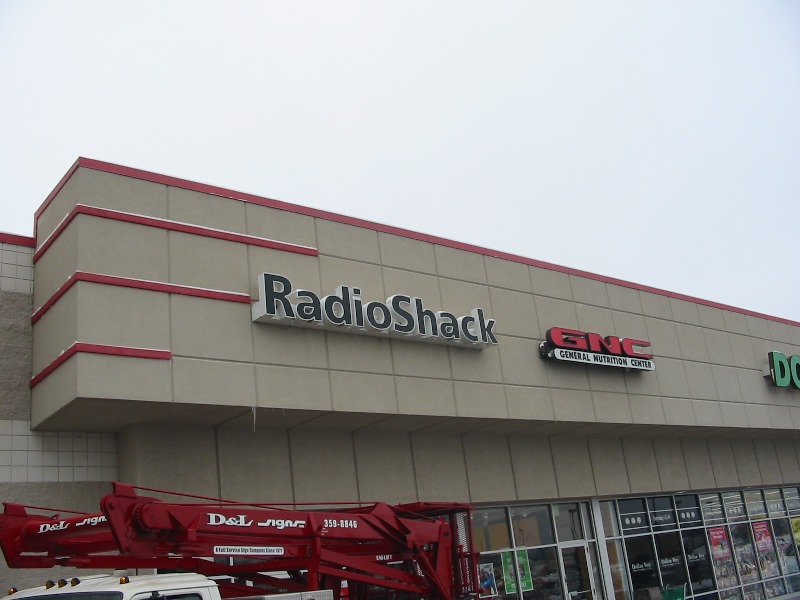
656	142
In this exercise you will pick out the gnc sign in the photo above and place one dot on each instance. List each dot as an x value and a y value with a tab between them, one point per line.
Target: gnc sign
592	348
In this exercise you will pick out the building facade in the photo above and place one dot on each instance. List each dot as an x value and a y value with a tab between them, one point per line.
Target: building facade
618	441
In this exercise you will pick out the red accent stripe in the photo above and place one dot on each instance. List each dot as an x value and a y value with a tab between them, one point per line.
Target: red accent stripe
98	349
139	284
230	236
322	214
19	240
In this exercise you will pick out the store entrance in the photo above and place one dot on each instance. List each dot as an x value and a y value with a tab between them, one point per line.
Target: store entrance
577	572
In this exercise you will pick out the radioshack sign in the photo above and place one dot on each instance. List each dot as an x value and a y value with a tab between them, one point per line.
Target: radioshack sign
401	316
591	348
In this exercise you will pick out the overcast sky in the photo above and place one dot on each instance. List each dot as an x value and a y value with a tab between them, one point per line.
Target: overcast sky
655	142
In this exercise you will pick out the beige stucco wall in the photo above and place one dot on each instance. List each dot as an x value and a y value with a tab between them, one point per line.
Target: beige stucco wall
345	411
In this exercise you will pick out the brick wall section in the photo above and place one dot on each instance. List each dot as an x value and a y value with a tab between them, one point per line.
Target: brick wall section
15	355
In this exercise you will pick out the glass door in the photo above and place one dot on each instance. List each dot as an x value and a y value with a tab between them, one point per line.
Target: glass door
577	570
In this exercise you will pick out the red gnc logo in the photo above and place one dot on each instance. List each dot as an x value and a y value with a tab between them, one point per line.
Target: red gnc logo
572	339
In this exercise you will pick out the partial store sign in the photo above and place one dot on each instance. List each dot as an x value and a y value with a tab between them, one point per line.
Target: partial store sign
573	345
401	316
783	370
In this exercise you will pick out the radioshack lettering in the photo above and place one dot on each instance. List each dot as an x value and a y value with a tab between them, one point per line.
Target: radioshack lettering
401	316
784	370
237	521
592	348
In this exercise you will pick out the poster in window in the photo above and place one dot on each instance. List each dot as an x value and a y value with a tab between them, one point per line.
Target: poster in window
765	549
517	563
487	580
796	530
722	557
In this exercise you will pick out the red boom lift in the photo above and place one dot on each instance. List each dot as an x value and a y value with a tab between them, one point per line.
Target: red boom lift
381	551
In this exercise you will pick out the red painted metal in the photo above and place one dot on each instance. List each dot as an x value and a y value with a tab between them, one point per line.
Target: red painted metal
421	549
105	213
83	347
19	240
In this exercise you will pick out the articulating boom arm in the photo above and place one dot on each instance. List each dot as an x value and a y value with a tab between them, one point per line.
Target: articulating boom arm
422	549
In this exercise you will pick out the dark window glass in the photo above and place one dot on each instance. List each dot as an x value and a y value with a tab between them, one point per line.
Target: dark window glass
787	552
619	574
765	549
734	506
722	557
688	510
735	594
642	565
632	516
792	584
495	579
774	500
490	529
608	510
545	575
792	500
662	516
774	587
698	561
755	504
532	525
711	507
744	552
586	517
670	559
753	592
568	522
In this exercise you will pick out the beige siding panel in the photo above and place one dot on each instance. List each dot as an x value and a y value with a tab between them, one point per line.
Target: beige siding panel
353	352
480	400
663	336
589	291
56	265
552	312
672	468
475	365
567	375
55	331
363	392
520	361
711	317
746	462
337	271
323	465
707	413
624	299
723	463
489	470
529	403
685	312
420	359
208	263
640	461
62	203
691	342
735	322
608	465
612	408
699	466
595	319
787	460
254	464
608	379
124	378
515	313
553	284
418	285
419	396
656	305
768	466
54	392
280	225
346	241
671	375
508	274
573	405
191	464
458	264
205	210
290	387
719	348
213	382
405	253
205	328
573	466
440	467
118	192
726	383
290	346
534	471
385	466
647	410
301	270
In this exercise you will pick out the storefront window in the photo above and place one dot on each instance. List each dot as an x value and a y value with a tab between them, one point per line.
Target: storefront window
608	512
662	516
532	525
753	592
765	549
711	507
774	587
722	557
490	529
495	580
568	522
642	565
633	516
792	584
545	575
688	510
744	552
698	562
588	529
734	506
735	594
619	577
774	500
792	499
670	559
787	553
755	504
